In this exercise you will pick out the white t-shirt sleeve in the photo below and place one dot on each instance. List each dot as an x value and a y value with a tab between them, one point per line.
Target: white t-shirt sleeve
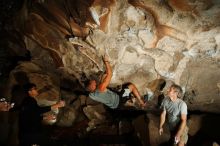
183	109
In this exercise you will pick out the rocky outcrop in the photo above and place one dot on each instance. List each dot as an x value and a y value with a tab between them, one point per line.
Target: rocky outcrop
202	129
30	72
152	43
49	89
145	40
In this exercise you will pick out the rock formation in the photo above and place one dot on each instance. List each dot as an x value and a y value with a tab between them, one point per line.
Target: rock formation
145	40
151	43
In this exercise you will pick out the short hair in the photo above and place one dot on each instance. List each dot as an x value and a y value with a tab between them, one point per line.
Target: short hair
87	83
178	89
27	87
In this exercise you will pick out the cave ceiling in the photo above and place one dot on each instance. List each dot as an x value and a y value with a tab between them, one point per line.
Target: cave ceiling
146	40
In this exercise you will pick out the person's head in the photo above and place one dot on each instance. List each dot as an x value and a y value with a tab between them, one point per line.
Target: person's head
91	85
175	91
31	89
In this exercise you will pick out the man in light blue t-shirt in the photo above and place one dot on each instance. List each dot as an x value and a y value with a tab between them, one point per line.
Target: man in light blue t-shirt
113	100
176	111
99	92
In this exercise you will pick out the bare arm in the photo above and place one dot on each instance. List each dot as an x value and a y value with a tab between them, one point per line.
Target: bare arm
58	105
136	93
182	126
107	78
5	106
162	121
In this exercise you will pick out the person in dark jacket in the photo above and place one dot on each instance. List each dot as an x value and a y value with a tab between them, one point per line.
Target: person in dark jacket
30	118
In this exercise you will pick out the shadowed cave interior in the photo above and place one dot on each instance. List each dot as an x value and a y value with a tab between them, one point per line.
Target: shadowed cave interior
59	44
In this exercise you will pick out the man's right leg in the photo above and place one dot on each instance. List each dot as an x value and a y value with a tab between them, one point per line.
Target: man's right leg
136	93
184	137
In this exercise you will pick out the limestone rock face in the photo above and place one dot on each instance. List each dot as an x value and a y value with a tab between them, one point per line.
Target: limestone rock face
47	86
173	40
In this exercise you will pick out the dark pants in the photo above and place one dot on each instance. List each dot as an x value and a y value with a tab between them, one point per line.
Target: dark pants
29	139
123	99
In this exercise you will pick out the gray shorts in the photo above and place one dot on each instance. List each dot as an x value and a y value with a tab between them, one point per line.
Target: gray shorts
183	137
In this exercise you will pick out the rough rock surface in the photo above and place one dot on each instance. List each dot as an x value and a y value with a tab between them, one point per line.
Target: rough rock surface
144	40
151	43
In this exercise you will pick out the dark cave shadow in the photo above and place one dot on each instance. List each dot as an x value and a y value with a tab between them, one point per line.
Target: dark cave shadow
209	131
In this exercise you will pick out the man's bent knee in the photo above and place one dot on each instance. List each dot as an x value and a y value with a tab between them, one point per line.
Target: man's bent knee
131	86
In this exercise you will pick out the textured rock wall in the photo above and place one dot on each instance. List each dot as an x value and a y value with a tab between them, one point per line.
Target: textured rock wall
174	40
